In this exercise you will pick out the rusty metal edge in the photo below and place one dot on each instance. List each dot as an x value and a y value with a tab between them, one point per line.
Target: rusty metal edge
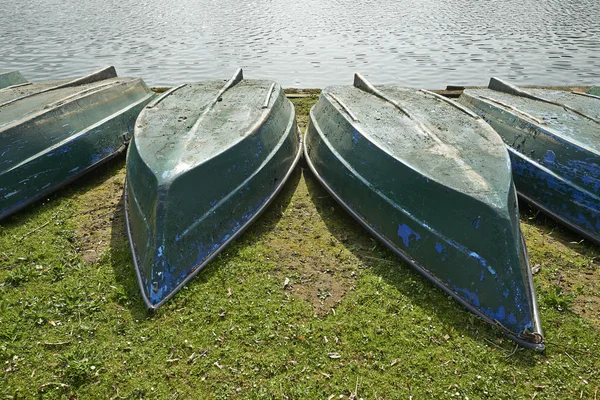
531	295
203	264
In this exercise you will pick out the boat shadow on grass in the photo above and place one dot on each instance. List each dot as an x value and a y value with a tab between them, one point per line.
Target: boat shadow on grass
565	264
554	230
123	268
437	308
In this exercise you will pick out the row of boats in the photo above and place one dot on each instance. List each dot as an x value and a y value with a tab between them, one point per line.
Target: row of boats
432	178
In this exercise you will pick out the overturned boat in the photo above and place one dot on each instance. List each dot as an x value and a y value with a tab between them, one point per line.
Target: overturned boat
53	132
206	159
11	78
553	138
432	181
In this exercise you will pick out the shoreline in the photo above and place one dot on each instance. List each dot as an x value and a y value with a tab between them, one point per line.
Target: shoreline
451	91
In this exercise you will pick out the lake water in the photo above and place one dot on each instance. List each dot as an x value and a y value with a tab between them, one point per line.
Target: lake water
307	43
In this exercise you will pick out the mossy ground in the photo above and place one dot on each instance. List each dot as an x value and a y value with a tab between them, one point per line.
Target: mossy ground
352	322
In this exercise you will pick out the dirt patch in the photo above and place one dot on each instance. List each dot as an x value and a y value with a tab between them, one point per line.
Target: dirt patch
316	278
317	267
586	304
98	208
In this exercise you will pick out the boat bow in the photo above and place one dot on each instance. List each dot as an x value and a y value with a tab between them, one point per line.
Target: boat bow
206	160
432	181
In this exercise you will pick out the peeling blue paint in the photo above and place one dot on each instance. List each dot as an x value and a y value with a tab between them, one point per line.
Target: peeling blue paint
469	296
550	157
562	197
482	262
406	233
499	315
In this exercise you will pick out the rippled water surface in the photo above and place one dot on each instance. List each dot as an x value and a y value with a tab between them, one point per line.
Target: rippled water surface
307	43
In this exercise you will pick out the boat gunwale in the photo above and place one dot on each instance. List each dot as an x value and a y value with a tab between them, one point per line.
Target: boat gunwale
15	73
21	85
199	267
96	76
536	322
550	131
68	100
591	96
359	127
499	85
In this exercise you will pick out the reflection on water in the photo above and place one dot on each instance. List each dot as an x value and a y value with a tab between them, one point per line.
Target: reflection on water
307	43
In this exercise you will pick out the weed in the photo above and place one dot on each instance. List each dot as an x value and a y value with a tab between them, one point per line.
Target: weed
556	299
18	275
79	366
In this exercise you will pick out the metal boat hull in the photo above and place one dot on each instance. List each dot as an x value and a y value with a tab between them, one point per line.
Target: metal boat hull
552	139
204	163
403	180
11	78
52	134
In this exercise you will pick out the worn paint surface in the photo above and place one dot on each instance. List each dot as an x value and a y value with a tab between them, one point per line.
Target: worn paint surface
50	137
436	187
10	78
202	165
555	150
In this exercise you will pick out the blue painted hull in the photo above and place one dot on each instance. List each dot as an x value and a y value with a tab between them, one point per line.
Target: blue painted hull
557	196
555	158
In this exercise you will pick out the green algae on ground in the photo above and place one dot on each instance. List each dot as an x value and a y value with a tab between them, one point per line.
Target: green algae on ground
304	305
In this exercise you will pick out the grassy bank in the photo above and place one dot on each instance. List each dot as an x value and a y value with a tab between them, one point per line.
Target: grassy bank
352	321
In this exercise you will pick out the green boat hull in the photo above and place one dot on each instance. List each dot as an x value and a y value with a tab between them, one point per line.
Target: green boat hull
51	134
553	139
594	91
437	191
205	161
11	78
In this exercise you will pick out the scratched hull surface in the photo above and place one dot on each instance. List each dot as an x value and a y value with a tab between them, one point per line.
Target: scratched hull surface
10	78
554	144
206	159
433	183
51	134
